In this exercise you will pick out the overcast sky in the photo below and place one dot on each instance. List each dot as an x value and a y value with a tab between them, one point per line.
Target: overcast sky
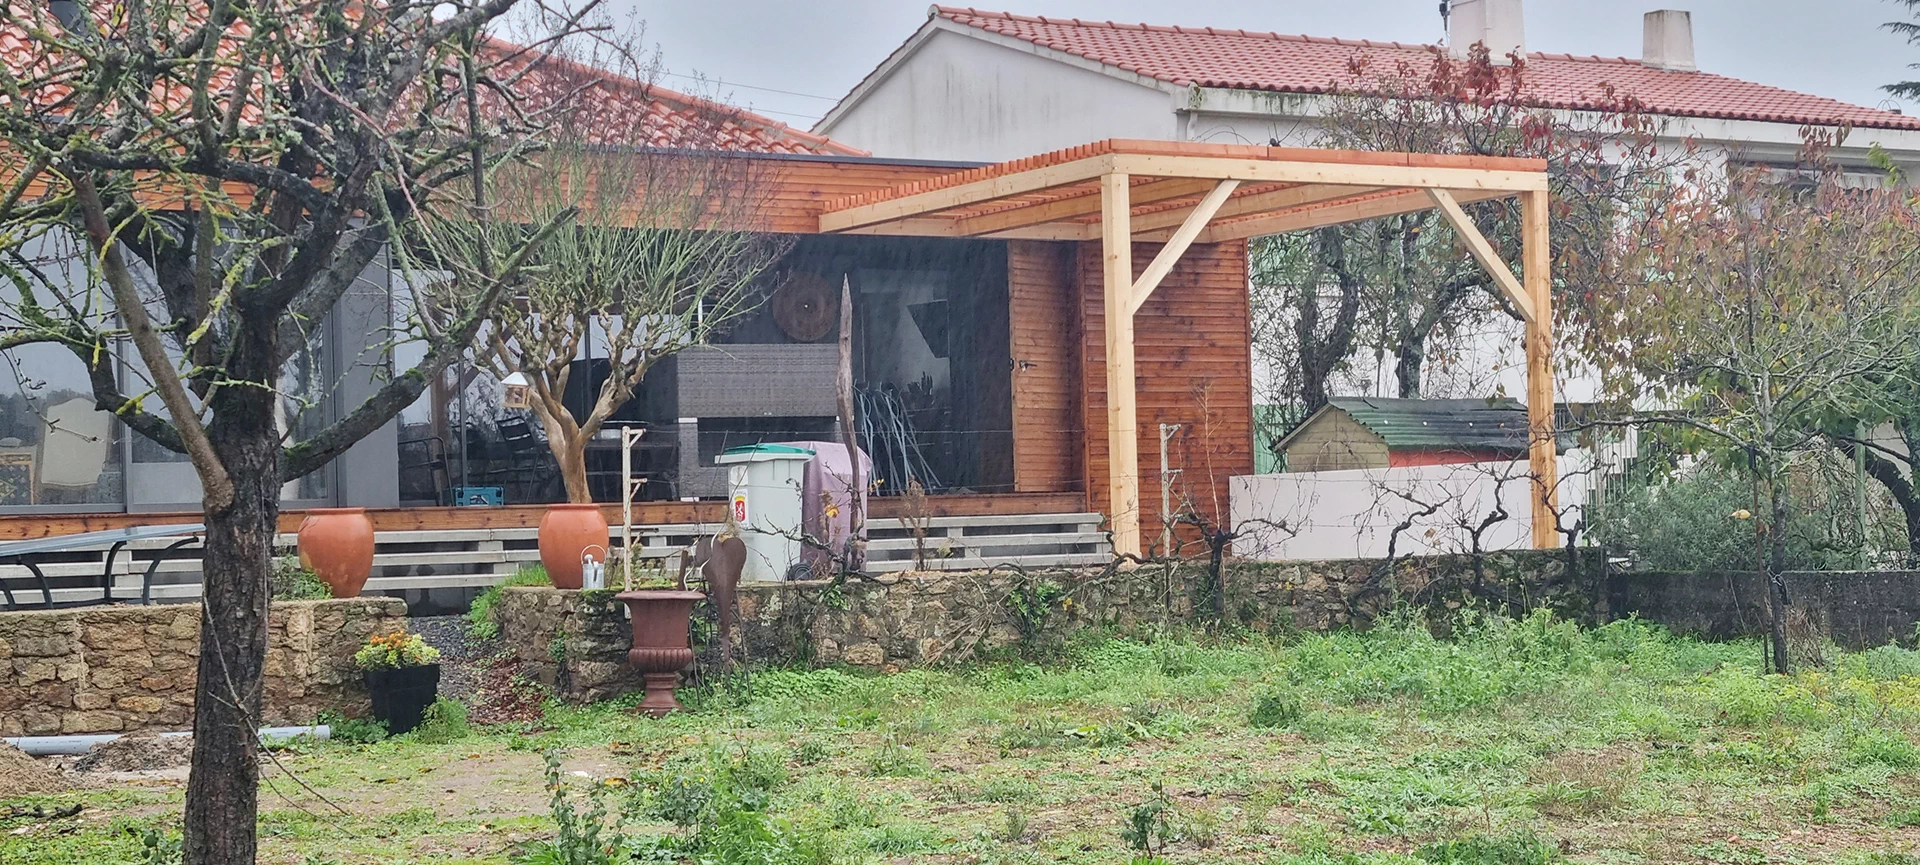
820	49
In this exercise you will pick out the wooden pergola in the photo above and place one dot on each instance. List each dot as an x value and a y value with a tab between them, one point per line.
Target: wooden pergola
1177	194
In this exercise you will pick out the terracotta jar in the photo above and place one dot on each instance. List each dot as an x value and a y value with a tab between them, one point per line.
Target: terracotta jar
566	532
660	650
337	544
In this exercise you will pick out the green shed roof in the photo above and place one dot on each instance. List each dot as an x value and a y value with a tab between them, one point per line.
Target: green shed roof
1463	424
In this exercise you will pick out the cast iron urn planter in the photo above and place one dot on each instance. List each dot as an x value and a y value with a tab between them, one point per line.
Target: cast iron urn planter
401	695
660	650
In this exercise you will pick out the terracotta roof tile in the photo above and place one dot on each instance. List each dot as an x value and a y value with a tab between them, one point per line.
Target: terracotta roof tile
1238	59
639	113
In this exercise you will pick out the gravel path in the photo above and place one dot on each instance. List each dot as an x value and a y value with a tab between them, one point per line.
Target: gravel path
462	658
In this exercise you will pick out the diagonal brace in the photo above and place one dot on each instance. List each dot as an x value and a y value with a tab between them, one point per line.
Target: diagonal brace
1177	245
1484	253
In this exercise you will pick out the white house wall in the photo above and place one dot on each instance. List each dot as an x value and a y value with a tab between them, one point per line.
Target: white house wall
963	98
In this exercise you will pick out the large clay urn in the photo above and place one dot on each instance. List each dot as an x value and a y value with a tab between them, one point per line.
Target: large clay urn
337	544
660	649
566	532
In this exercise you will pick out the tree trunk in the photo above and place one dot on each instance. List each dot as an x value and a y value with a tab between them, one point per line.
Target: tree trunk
223	786
571	454
1410	357
1776	574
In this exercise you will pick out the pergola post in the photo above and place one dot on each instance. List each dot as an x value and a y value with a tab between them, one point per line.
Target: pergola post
1123	440
1536	265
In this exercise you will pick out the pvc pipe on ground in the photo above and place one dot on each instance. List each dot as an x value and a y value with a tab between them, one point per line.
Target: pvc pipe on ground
48	746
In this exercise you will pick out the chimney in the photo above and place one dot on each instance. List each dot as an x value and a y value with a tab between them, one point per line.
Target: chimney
1669	41
1495	23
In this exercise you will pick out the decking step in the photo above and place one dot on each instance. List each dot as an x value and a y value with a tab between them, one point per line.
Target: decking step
972	542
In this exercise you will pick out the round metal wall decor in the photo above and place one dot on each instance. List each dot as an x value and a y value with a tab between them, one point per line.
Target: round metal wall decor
805	308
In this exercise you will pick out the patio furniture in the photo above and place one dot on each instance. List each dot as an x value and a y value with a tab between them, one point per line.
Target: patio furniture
17	553
73	449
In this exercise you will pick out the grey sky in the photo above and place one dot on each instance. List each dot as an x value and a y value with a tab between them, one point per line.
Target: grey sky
823	47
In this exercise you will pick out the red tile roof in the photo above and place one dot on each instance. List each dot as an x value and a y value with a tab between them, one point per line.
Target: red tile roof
637	113
1246	60
644	114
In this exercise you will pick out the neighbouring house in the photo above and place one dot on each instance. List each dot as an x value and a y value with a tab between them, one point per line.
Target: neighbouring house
974	84
1379	432
980	84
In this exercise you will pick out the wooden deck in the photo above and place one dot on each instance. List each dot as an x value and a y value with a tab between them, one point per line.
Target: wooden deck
28	526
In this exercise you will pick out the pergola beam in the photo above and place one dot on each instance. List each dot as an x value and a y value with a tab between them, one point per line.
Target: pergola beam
1078	205
1255	203
1483	252
1339	173
963	194
1355	208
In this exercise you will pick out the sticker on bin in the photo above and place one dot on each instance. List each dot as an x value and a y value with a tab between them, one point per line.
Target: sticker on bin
740	508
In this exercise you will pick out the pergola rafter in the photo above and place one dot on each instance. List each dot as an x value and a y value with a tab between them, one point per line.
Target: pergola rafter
1120	192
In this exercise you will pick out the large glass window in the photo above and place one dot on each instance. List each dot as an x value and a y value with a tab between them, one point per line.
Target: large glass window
57	451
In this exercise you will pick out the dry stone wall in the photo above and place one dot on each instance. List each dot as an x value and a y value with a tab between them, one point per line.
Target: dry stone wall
573	641
123	668
577	641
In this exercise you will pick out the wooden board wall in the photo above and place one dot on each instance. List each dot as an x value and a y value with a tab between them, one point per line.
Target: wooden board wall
1193	366
1047	426
798	190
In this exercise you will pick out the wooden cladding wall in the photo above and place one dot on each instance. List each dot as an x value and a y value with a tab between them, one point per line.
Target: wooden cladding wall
1047	428
798	190
1193	366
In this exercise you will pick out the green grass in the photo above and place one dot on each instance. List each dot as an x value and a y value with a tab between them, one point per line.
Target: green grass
480	620
1512	742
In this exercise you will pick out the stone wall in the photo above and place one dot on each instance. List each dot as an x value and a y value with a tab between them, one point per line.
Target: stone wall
577	641
573	641
901	619
1857	610
123	668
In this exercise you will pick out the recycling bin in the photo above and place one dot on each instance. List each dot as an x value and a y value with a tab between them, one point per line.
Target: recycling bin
764	498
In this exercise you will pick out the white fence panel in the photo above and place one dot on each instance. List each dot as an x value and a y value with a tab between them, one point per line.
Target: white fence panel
1418	510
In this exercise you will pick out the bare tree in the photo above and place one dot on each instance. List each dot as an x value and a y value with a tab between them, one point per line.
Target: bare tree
661	257
1399	288
229	171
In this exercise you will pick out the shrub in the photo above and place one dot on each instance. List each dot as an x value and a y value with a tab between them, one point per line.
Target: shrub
1521	847
444	721
1884	748
288	581
352	731
481	623
1890	662
1274	709
721	802
1150	824
589	837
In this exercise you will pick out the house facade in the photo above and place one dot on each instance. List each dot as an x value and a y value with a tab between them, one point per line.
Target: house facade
973	84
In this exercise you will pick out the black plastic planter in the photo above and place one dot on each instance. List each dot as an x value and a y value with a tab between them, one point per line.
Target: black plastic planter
401	695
